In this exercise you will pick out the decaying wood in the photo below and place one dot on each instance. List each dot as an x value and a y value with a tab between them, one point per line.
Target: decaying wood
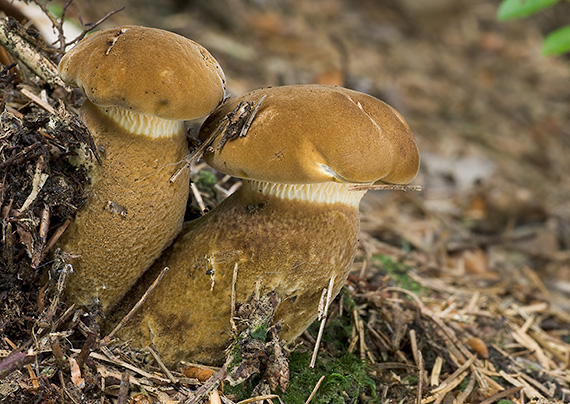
15	361
16	41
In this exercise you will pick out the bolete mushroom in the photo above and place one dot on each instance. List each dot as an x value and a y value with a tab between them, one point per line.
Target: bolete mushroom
290	228
141	84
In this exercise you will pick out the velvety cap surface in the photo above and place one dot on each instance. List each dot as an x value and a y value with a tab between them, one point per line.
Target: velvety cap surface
147	71
315	133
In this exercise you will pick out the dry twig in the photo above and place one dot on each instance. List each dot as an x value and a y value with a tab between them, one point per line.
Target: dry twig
15	40
323	316
135	308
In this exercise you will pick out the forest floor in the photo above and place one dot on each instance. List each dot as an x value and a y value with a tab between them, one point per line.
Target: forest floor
460	293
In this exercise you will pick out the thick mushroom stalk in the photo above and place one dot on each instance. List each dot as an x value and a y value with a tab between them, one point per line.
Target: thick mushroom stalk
291	228
141	84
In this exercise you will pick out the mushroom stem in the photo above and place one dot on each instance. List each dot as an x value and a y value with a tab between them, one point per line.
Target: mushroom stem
280	241
141	85
133	210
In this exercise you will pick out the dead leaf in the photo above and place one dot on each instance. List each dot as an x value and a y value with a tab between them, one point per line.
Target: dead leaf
76	378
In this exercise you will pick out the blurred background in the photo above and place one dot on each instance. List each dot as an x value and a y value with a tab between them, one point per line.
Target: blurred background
490	114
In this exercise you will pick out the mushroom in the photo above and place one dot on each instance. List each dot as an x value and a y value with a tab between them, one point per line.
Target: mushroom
292	226
141	84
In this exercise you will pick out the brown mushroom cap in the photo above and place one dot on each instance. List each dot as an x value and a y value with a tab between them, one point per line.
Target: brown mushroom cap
147	71
315	133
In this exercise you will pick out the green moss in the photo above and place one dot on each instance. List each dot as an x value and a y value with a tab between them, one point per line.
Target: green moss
348	302
242	391
463	384
346	379
206	180
412	379
398	272
259	332
235	353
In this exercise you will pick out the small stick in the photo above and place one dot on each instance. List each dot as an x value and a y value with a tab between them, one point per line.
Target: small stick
258	398
420	362
38	183
59	290
22	50
323	321
406	292
57	352
19	157
465	393
386	187
502	394
221	190
194	156
55	236
414	344
234	187
126	365
315	389
198	197
137	306
16	360
436	371
63	318
360	330
44	226
124	388
94	25
455	374
215	397
233	301
90	343
211	384
251	117
162	366
37	100
54	22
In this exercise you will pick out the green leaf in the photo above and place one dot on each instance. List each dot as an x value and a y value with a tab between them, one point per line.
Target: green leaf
557	42
511	9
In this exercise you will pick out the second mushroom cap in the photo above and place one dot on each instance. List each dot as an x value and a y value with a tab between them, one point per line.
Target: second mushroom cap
313	133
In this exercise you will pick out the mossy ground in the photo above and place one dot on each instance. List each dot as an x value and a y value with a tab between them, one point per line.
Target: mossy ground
346	375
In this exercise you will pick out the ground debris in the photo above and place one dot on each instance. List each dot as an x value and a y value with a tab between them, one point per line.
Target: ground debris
236	123
40	191
257	348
